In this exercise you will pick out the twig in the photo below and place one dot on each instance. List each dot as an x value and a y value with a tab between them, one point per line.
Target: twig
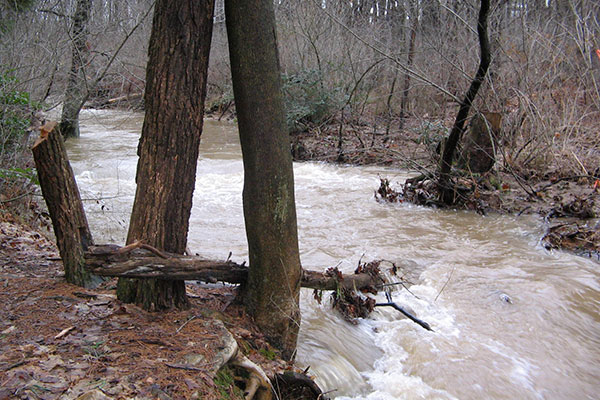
579	162
64	332
18	197
523	210
444	287
327	392
139	245
409	291
521	182
403	284
56	13
193	317
15	365
186	367
225	110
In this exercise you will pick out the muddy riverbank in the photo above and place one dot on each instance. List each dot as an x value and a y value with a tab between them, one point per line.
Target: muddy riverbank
569	202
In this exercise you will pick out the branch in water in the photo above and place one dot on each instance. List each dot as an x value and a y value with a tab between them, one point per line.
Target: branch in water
407	314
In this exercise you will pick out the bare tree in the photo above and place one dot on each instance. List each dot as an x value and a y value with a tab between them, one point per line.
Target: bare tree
76	91
168	149
273	287
447	190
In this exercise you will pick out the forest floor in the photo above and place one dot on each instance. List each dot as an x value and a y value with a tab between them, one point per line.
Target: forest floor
60	341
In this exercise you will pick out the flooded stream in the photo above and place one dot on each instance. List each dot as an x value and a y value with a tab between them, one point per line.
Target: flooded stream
543	345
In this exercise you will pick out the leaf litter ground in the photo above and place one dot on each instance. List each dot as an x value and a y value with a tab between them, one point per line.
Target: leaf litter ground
62	341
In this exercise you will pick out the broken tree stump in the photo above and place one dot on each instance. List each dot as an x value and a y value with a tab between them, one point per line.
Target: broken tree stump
64	204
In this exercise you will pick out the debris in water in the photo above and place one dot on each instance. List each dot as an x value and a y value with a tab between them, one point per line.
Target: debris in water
351	303
582	240
506	298
386	193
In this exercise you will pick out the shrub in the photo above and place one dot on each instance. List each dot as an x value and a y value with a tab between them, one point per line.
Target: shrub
15	114
16	172
307	100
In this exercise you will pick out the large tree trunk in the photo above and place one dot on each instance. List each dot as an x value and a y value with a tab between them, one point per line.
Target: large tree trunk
64	204
168	149
76	91
273	286
445	187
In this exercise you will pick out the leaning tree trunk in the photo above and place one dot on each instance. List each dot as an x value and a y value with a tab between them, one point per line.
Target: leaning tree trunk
273	286
64	205
168	149
76	91
445	188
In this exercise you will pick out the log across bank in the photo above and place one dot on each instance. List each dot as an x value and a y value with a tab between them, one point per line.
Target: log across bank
141	261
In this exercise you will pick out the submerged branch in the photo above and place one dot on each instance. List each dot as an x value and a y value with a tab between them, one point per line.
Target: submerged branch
407	314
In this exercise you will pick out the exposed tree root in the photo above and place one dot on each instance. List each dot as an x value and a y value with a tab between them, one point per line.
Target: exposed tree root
259	386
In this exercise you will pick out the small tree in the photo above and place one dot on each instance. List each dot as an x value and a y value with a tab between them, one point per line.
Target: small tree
168	149
445	188
273	286
76	92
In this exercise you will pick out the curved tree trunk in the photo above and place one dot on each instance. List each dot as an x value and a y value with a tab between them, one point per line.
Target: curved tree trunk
273	286
76	91
444	185
168	149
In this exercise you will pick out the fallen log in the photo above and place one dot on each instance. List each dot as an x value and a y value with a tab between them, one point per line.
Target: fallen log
141	262
101	103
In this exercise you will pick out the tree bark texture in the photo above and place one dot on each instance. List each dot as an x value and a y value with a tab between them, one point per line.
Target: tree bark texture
272	290
168	148
108	260
445	188
76	90
64	204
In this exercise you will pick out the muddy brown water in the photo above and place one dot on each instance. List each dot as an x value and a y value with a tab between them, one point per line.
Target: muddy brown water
543	344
